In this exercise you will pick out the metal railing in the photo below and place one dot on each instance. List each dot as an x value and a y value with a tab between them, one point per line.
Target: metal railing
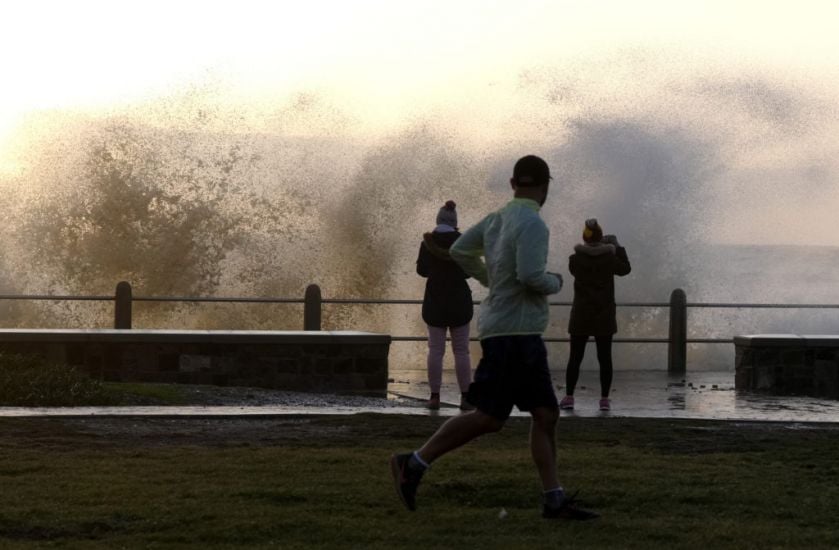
313	302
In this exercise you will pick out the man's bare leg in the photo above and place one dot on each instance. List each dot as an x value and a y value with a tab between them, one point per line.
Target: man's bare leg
543	445
555	503
458	431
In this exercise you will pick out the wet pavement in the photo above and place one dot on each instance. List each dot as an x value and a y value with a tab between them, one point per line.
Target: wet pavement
655	394
640	394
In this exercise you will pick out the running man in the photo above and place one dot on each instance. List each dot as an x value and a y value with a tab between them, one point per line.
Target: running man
513	370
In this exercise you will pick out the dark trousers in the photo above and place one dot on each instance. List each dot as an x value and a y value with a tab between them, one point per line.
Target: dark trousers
575	358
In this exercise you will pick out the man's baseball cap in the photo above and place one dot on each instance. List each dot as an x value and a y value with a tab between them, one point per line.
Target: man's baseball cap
531	171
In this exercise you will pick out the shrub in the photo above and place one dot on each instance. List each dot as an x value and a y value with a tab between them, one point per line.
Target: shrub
30	381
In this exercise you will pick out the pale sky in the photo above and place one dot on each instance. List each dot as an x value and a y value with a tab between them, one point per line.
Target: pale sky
380	55
384	62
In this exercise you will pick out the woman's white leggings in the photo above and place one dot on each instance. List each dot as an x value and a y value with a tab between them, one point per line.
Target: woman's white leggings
437	349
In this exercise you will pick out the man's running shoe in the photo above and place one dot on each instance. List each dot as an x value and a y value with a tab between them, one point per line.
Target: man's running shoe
567	509
567	403
405	479
605	404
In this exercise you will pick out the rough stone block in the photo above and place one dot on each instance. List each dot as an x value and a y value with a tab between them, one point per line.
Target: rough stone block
744	377
343	362
768	357
291	366
195	363
343	365
824	354
764	377
792	357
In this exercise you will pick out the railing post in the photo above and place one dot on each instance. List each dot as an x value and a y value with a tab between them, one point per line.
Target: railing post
122	307
312	308
677	348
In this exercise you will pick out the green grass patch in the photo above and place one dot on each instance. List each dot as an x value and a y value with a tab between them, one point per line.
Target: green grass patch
30	381
139	393
323	482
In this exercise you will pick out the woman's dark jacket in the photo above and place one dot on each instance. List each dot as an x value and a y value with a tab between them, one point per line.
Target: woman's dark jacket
448	298
594	268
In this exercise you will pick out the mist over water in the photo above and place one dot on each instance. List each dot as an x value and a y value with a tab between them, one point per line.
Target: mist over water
700	170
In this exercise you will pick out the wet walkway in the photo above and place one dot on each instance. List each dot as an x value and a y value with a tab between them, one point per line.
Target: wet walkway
640	394
655	394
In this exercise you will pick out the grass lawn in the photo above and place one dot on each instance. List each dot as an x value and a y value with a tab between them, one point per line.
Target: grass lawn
324	482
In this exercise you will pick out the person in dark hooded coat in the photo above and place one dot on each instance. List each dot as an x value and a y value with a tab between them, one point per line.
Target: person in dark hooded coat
594	265
446	306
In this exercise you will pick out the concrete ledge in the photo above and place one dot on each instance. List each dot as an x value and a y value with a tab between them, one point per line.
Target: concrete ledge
197	336
821	340
783	340
788	364
766	340
330	361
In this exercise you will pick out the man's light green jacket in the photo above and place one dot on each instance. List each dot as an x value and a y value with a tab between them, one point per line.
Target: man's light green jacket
514	243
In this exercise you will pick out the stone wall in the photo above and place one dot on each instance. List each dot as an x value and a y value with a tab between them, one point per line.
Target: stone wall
330	362
788	364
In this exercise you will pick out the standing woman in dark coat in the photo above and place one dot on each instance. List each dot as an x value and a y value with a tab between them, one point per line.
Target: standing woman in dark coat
447	305
594	265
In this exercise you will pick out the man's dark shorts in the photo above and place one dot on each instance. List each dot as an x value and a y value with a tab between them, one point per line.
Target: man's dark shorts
513	371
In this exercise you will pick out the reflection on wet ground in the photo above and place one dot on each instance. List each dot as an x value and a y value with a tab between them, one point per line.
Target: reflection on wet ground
640	394
655	394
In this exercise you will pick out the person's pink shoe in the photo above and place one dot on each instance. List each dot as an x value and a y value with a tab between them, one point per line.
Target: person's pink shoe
605	404
567	403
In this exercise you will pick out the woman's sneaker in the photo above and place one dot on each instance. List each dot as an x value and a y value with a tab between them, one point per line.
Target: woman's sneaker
567	403
605	404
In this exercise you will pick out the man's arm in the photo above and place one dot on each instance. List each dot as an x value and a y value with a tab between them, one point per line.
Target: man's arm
531	259
467	251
